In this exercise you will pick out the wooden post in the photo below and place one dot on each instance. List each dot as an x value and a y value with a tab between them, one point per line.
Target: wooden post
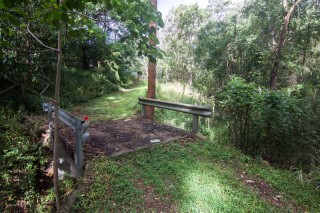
151	73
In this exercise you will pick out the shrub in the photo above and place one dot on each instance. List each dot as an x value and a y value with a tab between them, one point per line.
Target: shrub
80	85
276	125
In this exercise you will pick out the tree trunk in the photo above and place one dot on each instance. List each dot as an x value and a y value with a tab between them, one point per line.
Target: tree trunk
56	121
304	56
277	60
151	74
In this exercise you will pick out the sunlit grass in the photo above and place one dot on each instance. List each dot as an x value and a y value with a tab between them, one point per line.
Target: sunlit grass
177	92
182	92
121	104
192	184
194	177
197	184
212	189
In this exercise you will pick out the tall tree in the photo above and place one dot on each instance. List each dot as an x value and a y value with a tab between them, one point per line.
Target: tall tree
152	66
56	118
281	42
180	33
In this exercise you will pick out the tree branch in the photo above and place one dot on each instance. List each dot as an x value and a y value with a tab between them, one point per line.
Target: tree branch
25	51
285	5
19	84
281	43
8	89
83	15
40	42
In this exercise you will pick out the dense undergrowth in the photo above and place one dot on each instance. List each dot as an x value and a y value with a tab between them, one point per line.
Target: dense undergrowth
22	158
79	86
277	125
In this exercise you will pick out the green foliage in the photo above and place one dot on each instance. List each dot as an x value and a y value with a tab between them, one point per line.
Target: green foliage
80	86
101	40
271	124
21	159
180	41
175	92
242	40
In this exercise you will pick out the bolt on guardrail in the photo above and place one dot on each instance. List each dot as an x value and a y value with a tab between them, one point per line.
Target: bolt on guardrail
78	125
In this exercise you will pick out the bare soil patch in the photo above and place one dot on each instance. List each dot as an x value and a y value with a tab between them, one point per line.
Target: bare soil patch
125	135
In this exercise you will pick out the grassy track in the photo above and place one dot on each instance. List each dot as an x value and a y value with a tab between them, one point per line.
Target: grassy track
184	175
114	106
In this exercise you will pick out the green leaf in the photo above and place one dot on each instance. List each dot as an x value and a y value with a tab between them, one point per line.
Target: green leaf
8	17
2	6
19	11
64	17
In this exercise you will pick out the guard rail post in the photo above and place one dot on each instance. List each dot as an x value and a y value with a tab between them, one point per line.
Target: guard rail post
195	122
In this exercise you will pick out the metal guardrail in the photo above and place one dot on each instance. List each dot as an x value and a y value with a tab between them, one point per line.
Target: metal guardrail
196	111
78	125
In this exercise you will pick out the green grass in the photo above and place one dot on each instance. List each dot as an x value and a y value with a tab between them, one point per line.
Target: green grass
176	92
121	104
193	176
195	184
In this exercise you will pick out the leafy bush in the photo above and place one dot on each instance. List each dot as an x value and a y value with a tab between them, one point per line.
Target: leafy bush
79	85
237	102
276	125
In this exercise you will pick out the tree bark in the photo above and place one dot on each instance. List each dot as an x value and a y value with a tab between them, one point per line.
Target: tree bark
277	61
56	120
151	73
